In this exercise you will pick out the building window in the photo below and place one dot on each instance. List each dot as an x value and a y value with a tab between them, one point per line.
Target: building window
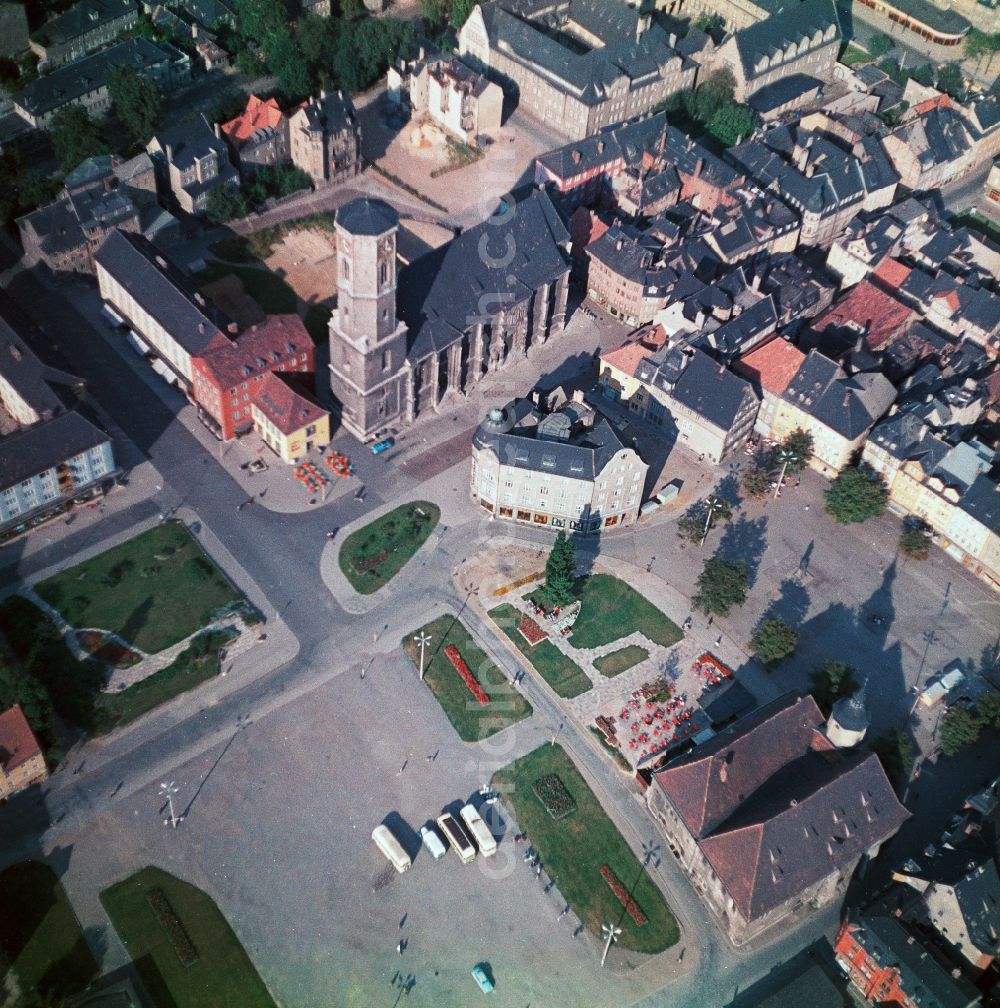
523	515
386	360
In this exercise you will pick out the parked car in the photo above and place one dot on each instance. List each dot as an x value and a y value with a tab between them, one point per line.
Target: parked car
382	446
432	842
482	978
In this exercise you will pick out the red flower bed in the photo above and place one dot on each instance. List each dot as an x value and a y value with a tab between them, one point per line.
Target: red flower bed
631	907
531	631
176	933
107	650
468	678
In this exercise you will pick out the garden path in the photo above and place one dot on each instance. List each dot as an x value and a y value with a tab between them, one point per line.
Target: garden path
120	679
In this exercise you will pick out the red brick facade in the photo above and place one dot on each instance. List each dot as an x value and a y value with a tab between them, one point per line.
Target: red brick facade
227	375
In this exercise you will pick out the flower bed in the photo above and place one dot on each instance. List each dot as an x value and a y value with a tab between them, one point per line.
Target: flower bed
170	923
364	564
520	583
552	793
631	907
106	650
531	631
456	659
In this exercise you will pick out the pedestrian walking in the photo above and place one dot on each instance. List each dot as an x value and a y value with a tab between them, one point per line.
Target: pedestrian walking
399	947
718	640
362	673
711	620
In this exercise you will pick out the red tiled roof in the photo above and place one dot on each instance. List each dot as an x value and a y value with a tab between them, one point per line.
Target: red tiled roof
284	402
771	366
709	785
261	348
892	273
17	741
939	101
950	296
866	307
257	115
775	809
627	357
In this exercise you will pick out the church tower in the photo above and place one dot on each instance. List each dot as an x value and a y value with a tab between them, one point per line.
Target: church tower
367	341
849	720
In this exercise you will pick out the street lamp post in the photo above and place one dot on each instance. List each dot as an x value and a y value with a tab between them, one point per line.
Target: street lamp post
168	791
423	640
784	457
712	505
611	933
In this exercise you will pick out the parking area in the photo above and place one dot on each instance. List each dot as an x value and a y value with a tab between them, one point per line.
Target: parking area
318	908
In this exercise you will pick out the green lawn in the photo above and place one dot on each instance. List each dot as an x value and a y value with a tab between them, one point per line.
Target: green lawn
268	289
976	222
194	665
471	719
561	673
620	661
854	55
611	609
376	553
573	850
223	976
153	590
40	937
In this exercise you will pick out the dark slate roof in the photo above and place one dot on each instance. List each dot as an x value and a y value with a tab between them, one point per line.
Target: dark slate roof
162	289
697	382
190	141
783	91
627	142
366	216
34	381
518	441
83	17
442	294
849	405
817	814
888	942
526	30
870	75
933	16
796	22
836	178
28	452
982	502
67	83
906	437
742	333
329	113
851	713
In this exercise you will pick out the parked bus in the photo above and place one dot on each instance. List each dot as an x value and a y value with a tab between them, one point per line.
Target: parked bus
479	830
391	848
456	835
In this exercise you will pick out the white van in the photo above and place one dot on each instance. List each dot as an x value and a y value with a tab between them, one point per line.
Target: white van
456	835
391	848
432	842
479	830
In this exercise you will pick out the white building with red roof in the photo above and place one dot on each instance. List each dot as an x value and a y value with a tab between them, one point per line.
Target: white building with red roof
258	136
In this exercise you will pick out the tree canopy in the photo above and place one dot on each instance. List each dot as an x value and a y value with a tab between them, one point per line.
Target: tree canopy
75	136
856	495
959	728
722	584
951	79
136	102
831	681
894	749
559	568
915	543
755	480
224	204
879	45
731	124
800	446
773	641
